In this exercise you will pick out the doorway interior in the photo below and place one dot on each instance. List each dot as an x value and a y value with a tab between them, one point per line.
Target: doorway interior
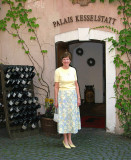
88	57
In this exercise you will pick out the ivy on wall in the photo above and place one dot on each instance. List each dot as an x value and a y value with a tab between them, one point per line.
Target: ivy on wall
16	17
122	61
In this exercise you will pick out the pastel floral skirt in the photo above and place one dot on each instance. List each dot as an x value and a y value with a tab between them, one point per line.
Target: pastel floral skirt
69	115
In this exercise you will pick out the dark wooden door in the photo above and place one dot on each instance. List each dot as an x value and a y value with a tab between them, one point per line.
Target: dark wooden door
61	47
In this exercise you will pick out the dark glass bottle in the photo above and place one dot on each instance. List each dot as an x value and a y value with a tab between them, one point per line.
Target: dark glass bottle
11	102
11	109
26	75
20	94
14	95
17	69
38	106
35	100
14	82
1	105
8	75
34	112
26	69
24	81
31	68
25	101
21	69
25	88
35	122
31	74
24	125
18	108
21	114
16	115
27	94
19	81
11	116
17	101
9	82
29	107
30	101
15	75
22	75
29	81
13	69
29	120
8	69
10	95
15	88
20	121
16	122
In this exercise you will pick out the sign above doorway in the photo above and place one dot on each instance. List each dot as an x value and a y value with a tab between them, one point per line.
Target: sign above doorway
84	18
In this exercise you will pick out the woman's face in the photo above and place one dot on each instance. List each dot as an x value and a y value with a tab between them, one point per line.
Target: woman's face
66	61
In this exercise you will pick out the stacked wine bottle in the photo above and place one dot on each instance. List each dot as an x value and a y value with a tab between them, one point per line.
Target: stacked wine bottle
21	104
2	116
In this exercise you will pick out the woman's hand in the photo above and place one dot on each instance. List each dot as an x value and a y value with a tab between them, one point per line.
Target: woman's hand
78	102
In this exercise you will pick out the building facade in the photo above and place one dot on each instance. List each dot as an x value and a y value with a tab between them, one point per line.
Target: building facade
66	25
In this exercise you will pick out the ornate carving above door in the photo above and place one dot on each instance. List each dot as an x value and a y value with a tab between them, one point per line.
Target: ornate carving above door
81	2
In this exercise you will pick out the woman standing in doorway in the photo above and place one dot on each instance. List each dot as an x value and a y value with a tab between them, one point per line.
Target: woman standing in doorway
67	100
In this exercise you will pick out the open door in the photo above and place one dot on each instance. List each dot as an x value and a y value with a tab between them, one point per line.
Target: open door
61	47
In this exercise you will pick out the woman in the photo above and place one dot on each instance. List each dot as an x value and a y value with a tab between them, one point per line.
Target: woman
67	100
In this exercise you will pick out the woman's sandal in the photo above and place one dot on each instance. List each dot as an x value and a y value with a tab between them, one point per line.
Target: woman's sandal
72	145
66	146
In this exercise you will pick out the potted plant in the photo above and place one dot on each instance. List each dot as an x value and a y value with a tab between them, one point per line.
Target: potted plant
49	127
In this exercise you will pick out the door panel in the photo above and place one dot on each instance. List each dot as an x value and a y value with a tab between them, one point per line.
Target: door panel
61	47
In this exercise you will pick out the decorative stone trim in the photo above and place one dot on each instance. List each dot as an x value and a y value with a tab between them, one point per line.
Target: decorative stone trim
85	34
81	2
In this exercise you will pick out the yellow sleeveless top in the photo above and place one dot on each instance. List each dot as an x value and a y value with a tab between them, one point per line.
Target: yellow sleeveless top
66	78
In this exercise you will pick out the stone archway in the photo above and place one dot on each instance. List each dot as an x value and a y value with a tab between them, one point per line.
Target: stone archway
85	34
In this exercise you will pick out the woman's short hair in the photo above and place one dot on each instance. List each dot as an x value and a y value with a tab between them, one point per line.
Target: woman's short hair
66	54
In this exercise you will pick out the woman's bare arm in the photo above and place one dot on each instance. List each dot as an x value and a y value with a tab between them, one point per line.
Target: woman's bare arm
78	93
56	93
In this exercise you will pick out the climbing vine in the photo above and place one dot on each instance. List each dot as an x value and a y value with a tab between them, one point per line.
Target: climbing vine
16	17
122	61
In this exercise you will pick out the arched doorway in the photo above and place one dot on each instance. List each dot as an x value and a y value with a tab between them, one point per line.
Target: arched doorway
83	35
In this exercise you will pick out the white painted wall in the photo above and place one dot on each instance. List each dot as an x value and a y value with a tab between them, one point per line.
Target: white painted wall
89	75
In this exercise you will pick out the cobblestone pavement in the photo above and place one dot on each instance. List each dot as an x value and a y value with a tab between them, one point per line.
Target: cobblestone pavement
92	144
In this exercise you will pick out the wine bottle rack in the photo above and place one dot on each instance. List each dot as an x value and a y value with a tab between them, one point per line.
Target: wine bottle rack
2	113
18	105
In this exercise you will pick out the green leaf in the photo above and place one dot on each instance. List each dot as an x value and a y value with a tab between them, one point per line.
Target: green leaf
119	12
32	38
19	41
27	52
14	35
29	30
115	86
44	51
38	74
29	10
